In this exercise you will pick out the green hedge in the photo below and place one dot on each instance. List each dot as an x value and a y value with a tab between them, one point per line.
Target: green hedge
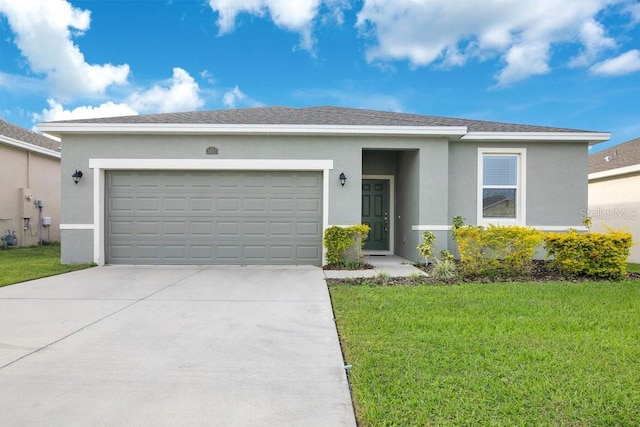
598	255
496	250
344	244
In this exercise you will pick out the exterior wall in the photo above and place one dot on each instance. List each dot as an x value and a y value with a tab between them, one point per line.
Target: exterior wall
346	153
40	174
556	182
407	204
379	162
614	202
556	188
434	179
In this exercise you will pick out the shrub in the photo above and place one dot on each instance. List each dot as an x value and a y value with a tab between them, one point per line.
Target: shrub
598	255
496	250
344	244
445	269
445	255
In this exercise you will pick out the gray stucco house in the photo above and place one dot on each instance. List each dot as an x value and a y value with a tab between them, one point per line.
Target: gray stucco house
259	185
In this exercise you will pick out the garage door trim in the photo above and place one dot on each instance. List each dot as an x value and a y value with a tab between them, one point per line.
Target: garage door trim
99	167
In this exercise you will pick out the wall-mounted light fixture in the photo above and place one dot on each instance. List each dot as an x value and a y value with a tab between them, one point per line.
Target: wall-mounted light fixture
76	176
342	178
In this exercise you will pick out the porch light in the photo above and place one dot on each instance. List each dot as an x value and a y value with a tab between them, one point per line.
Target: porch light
76	176
342	178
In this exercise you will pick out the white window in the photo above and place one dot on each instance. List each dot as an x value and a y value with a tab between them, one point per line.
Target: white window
501	186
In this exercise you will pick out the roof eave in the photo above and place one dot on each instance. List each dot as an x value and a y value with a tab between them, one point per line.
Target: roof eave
29	147
59	129
590	137
626	170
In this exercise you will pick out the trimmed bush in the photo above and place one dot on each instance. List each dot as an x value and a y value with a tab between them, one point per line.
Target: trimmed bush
344	244
598	255
496	250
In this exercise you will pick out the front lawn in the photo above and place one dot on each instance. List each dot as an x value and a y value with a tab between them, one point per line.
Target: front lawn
555	353
633	267
21	264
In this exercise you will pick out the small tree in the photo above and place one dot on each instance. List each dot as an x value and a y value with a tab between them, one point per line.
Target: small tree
427	246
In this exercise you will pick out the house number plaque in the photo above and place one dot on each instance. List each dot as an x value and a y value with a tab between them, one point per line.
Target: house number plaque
211	151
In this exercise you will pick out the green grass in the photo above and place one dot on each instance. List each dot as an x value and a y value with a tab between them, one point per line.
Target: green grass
21	264
556	353
633	267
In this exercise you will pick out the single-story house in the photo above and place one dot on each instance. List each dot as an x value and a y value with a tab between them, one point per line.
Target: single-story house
29	186
614	191
259	185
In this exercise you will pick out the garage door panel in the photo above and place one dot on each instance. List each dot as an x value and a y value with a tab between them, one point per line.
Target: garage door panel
309	181
308	253
214	217
201	204
228	204
308	229
201	228
282	205
254	205
147	204
121	204
145	228
228	229
308	205
146	180
175	204
201	252
147	252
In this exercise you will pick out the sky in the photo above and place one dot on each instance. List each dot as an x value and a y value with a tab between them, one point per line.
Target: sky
562	63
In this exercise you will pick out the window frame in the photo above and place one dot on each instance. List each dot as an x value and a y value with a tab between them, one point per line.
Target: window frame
521	163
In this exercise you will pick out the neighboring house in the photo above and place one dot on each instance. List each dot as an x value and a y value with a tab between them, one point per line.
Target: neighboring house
259	185
29	172
614	191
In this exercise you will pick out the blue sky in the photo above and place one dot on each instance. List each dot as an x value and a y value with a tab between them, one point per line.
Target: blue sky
566	63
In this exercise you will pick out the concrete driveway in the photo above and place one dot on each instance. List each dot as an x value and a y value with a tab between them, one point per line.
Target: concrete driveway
188	346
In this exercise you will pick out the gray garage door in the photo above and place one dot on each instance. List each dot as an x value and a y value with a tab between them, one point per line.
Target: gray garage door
213	217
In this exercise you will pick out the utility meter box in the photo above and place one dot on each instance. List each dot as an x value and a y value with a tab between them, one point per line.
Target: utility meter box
46	221
27	207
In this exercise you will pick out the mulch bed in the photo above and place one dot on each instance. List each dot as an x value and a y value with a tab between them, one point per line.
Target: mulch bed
541	272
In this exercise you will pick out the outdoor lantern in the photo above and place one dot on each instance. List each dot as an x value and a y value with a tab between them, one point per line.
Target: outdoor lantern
342	178
76	176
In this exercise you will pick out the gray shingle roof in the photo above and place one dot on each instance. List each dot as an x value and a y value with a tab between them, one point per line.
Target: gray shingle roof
619	156
21	134
337	116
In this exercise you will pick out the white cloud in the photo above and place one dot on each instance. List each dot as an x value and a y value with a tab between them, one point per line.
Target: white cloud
232	96
450	33
206	74
43	30
634	10
56	111
235	98
296	16
524	60
180	93
592	35
627	63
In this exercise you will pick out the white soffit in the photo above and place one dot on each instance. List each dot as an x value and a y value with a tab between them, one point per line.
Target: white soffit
29	147
59	129
614	172
591	137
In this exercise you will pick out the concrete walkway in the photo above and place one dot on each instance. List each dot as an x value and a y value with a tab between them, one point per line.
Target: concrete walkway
168	346
391	265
